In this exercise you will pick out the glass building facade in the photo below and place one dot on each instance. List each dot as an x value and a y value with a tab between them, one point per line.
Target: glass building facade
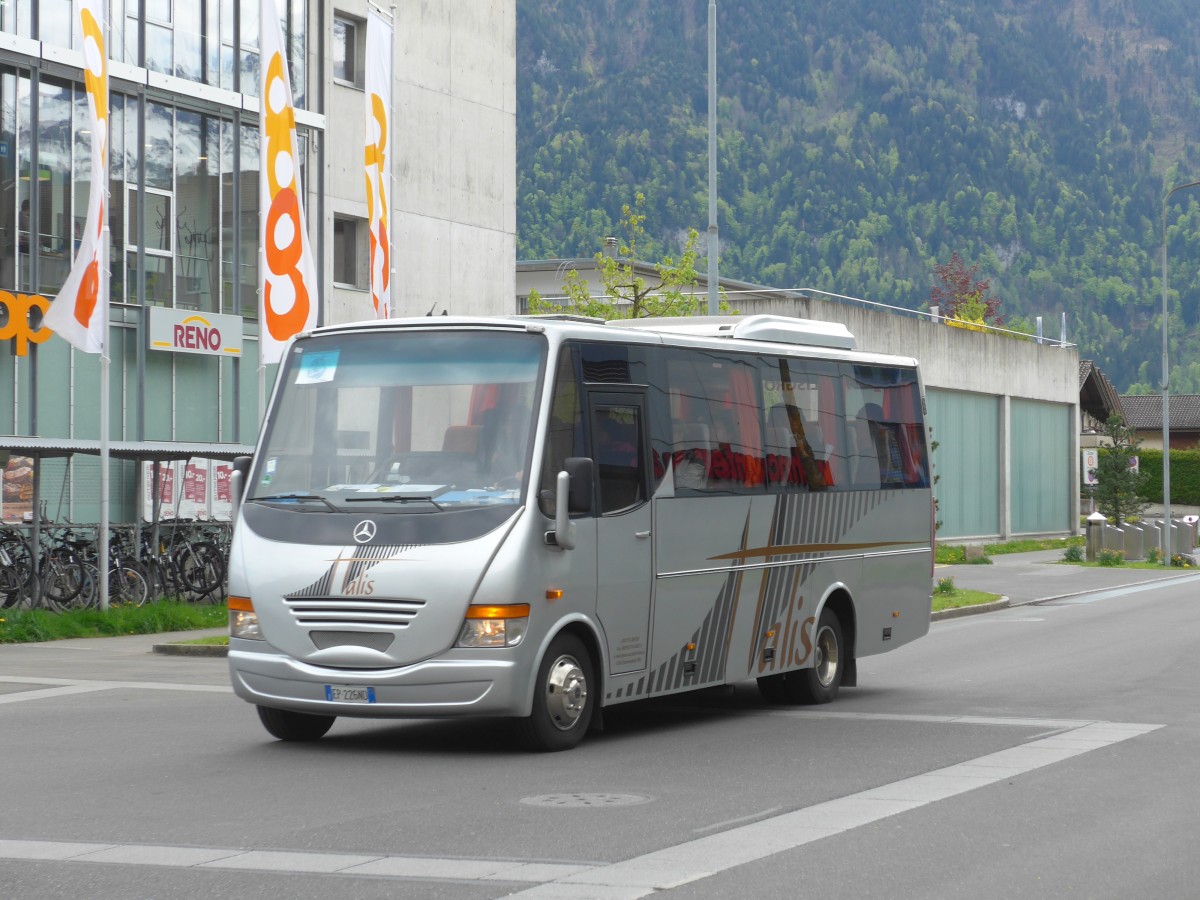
183	215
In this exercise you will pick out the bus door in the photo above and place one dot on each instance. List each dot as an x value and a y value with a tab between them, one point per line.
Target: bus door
620	443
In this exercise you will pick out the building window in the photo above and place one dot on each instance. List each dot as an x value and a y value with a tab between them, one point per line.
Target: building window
349	36
349	252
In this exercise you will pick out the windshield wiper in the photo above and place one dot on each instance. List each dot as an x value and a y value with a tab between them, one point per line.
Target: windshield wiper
296	495
397	498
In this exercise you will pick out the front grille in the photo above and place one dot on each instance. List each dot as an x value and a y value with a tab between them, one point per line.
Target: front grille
334	612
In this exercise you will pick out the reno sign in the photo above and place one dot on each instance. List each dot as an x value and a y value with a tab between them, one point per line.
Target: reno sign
186	331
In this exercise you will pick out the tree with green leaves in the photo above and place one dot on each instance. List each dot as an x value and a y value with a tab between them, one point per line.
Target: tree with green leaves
1120	492
627	294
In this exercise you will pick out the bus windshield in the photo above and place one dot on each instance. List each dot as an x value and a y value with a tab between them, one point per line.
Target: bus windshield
403	422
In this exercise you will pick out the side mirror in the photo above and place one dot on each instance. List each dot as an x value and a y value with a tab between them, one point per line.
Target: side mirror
574	484
237	480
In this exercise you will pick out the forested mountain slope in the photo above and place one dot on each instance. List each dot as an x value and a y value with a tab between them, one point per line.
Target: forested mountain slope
862	142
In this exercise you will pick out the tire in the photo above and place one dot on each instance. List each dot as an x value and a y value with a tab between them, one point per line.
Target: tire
202	567
562	703
27	593
127	584
62	578
820	683
293	726
17	577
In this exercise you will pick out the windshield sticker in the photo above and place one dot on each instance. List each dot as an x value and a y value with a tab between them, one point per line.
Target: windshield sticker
318	368
268	471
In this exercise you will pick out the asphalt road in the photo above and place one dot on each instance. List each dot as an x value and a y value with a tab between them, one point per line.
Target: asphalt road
1046	750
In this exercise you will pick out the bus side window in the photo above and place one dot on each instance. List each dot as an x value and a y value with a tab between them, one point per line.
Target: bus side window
618	455
564	429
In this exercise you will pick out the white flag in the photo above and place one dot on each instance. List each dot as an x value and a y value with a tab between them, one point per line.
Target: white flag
80	311
377	159
289	289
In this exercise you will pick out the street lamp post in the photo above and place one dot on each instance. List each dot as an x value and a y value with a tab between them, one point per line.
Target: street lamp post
1166	380
713	242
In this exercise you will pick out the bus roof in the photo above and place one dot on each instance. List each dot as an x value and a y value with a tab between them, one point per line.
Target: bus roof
775	329
831	339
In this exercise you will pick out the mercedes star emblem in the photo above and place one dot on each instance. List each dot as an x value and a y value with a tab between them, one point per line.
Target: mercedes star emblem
364	531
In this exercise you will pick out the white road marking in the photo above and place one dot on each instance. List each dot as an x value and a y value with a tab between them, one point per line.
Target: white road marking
694	860
642	875
64	686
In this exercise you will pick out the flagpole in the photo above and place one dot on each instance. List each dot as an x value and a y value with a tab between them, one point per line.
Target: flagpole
102	566
103	302
262	339
391	186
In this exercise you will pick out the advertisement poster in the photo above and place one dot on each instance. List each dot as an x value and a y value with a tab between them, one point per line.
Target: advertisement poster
166	491
197	489
17	501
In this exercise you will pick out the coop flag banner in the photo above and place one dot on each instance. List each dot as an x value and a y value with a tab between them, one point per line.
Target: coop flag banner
80	311
377	160
288	274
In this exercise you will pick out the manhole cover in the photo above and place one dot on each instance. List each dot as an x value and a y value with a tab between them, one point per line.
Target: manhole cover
585	800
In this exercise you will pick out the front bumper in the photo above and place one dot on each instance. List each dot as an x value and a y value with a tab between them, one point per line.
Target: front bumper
437	688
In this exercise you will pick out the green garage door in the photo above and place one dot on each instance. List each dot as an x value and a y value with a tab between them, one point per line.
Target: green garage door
1041	467
966	462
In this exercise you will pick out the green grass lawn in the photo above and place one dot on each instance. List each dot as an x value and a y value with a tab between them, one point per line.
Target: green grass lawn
961	597
25	625
956	554
220	640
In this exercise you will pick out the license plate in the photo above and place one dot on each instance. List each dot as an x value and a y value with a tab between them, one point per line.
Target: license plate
349	693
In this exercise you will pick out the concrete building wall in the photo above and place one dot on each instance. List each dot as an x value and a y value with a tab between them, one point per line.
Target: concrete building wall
453	209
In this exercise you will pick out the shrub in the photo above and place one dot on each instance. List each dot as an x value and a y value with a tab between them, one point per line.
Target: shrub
1073	554
1185	475
1180	561
1111	557
946	586
1154	555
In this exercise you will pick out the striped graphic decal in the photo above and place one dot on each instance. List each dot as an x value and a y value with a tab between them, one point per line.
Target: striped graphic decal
354	567
715	631
821	521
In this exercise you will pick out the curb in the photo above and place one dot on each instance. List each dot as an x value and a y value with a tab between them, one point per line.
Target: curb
191	650
959	611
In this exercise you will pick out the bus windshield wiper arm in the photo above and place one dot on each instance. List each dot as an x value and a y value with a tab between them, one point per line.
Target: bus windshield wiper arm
296	495
396	498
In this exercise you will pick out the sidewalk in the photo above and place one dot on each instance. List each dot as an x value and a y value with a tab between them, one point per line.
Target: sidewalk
125	658
1029	577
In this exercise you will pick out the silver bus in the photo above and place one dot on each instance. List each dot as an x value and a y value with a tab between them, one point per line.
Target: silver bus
539	517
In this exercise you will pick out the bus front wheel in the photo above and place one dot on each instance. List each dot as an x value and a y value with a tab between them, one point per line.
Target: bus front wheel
293	726
562	704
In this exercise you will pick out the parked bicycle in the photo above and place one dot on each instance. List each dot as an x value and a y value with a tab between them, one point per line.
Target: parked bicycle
18	579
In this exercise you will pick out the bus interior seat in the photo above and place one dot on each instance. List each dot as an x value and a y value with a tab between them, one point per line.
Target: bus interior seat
691	439
863	456
461	439
780	438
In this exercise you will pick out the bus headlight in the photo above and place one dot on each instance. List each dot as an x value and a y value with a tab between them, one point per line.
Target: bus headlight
493	626
243	621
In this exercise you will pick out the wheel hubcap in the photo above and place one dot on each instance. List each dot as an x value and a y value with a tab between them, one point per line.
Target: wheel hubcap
566	693
826	656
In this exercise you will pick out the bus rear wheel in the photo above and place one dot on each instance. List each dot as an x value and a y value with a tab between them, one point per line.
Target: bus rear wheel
293	726
820	683
562	704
